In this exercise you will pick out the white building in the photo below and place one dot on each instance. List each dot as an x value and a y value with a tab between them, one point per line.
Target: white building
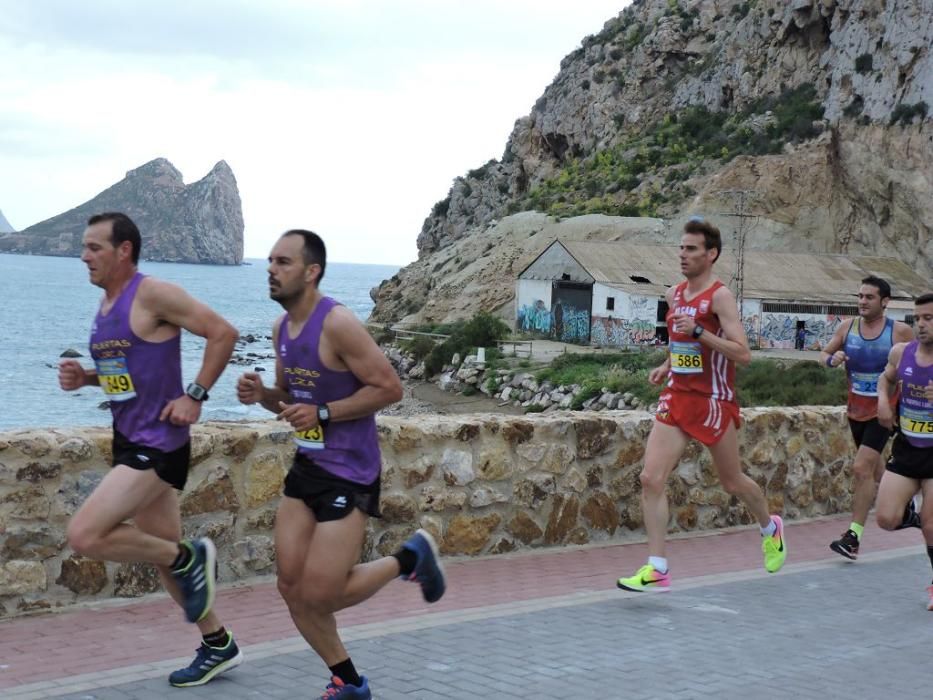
612	294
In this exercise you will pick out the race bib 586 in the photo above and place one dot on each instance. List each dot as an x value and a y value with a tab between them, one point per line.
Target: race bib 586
686	358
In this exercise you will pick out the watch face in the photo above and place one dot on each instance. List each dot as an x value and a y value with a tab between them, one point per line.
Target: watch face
323	413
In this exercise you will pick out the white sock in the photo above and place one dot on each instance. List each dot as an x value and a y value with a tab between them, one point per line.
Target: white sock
659	564
770	529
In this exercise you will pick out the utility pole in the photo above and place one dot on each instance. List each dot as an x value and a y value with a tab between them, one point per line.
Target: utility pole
741	200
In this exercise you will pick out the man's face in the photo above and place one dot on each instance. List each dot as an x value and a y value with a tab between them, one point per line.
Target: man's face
99	253
870	304
923	323
289	276
695	259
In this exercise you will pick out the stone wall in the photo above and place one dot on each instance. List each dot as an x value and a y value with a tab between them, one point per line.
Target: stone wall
482	484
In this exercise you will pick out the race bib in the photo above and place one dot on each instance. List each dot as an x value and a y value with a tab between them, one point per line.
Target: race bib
115	380
686	358
916	424
864	383
310	439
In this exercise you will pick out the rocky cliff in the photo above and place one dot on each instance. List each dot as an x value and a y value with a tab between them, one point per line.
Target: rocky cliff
197	223
5	226
819	109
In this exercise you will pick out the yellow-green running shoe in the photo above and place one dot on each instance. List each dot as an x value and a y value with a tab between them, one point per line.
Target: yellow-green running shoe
775	546
647	578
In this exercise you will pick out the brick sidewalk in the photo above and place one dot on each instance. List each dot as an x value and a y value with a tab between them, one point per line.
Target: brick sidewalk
128	637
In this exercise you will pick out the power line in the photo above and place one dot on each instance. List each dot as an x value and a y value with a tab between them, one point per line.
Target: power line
741	201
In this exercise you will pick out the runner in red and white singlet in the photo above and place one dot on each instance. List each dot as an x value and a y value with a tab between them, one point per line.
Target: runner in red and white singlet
706	339
700	396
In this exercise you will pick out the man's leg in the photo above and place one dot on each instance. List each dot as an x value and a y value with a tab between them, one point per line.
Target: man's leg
894	492
926	520
867	470
219	651
318	575
666	445
98	530
735	482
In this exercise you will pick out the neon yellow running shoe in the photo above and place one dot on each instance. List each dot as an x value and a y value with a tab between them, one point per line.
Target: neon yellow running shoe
647	578
775	547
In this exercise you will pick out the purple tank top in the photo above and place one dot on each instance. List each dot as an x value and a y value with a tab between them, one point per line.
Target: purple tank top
138	377
916	412
348	449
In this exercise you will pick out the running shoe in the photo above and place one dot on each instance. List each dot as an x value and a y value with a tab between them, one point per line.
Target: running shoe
428	571
208	662
911	516
197	580
847	545
647	578
775	547
338	689
930	594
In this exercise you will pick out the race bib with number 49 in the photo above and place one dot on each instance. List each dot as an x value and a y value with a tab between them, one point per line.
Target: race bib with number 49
115	379
686	358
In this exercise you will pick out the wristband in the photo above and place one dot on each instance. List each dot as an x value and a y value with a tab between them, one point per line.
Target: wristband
829	361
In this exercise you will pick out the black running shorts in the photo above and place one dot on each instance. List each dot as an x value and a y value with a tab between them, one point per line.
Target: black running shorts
869	433
328	496
171	467
912	462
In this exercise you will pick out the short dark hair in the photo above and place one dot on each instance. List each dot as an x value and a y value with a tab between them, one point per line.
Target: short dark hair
884	289
925	298
313	250
122	229
711	236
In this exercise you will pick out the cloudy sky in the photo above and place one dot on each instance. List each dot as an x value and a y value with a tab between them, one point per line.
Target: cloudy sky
351	117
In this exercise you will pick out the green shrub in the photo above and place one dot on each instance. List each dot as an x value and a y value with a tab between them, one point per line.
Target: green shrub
905	113
766	383
419	346
863	64
481	331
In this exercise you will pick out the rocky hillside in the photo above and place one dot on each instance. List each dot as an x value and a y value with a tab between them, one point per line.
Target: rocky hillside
197	223
819	108
5	226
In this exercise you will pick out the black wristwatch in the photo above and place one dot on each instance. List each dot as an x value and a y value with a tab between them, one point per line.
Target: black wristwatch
323	415
697	331
196	392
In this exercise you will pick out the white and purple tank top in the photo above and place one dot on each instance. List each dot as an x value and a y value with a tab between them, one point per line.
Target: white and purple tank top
137	376
348	449
915	410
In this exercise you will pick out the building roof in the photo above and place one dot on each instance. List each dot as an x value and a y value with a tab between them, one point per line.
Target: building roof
805	277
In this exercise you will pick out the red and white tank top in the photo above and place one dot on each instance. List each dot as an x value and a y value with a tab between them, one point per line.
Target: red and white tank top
694	366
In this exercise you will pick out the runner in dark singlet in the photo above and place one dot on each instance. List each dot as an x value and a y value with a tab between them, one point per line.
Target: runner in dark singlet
862	345
910	369
330	380
135	345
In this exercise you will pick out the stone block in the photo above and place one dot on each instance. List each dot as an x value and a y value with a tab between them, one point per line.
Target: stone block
132	580
19	577
601	513
468	534
265	476
82	576
457	467
215	492
524	528
563	518
397	508
76	450
32	543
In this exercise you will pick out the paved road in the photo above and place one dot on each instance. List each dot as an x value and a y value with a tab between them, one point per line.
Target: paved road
547	625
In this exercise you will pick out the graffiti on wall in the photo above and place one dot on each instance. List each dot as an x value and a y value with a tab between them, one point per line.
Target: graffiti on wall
535	317
562	322
751	329
571	325
621	331
779	330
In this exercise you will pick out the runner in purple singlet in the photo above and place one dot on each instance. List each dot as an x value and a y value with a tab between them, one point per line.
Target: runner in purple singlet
910	368
133	514
330	380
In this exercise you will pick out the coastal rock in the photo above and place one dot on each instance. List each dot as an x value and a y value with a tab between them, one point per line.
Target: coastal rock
197	223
